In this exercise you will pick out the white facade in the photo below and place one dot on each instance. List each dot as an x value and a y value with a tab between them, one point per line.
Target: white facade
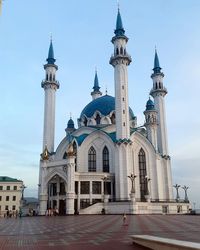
92	167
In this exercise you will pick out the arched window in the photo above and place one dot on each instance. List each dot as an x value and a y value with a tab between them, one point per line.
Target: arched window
105	160
91	160
98	119
65	155
112	118
121	51
75	155
117	51
85	121
143	173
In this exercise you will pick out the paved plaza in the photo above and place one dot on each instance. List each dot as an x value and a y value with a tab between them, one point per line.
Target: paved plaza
93	231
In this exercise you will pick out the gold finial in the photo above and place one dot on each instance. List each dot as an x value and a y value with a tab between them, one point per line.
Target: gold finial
70	115
106	90
45	155
51	36
70	150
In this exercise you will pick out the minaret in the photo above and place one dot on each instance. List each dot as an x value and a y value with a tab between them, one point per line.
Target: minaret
151	122
96	93
158	92
120	60
50	85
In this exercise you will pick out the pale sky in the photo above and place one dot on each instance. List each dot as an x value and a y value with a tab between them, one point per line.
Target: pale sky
82	31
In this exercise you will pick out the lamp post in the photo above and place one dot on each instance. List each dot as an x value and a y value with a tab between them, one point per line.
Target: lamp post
22	189
105	179
194	204
147	182
132	178
105	191
147	193
177	193
186	196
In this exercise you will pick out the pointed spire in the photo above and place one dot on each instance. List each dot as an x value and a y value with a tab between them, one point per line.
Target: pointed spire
119	31
157	68
51	59
96	82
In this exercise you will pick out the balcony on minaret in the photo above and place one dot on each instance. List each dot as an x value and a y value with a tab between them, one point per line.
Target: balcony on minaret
120	56
52	82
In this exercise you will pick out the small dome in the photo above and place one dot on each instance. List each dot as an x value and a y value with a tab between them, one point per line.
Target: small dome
104	105
150	105
70	123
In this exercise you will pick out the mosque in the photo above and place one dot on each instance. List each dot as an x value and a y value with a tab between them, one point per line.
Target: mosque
108	164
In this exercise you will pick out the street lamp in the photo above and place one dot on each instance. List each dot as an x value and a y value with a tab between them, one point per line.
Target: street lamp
177	193
22	189
105	179
147	182
132	178
185	190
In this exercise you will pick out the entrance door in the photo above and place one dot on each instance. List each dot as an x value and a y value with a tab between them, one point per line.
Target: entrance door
62	207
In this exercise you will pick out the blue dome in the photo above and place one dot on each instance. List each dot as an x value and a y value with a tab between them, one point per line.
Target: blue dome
70	123
104	104
150	105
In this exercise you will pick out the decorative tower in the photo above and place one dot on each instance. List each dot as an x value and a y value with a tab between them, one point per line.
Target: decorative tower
96	93
151	122
70	126
50	86
120	60
158	92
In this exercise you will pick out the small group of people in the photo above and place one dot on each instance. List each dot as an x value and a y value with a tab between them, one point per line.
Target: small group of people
13	214
32	212
52	212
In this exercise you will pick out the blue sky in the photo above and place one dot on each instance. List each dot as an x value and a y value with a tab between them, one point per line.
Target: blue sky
82	31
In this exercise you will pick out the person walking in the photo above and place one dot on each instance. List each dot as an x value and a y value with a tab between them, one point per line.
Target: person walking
124	219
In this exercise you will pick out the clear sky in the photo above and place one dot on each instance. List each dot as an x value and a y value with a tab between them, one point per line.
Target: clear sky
82	31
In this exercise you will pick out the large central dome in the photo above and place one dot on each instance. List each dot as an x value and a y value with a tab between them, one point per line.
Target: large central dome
104	105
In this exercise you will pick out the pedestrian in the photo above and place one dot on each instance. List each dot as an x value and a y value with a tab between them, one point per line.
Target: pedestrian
124	219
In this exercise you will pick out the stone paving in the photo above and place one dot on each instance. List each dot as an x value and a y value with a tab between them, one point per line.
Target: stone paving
93	231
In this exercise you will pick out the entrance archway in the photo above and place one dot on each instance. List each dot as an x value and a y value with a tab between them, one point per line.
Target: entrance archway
57	195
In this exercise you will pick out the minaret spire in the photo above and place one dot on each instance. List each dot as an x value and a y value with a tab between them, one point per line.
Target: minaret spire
120	61
51	59
96	89
157	68
158	92
50	85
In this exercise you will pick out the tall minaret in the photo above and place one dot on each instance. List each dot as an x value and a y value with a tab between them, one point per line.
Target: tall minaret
50	85
96	89
151	122
120	60
158	92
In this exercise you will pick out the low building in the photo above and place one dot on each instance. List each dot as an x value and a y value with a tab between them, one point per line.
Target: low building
10	194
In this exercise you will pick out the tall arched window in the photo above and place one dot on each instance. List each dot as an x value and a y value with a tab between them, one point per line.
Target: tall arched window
143	173
91	160
75	155
105	160
112	118
98	119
